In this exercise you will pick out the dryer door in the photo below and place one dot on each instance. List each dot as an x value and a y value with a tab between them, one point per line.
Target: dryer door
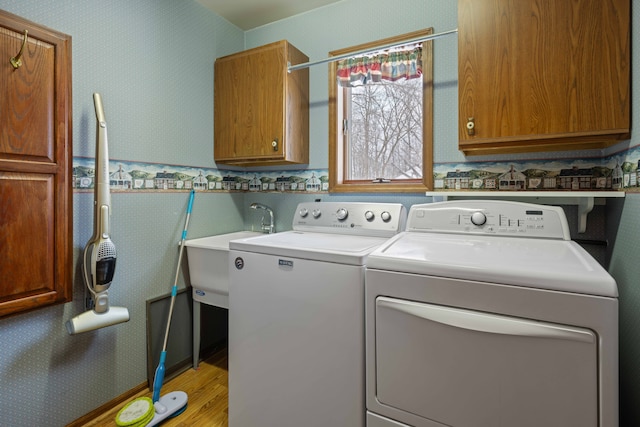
468	368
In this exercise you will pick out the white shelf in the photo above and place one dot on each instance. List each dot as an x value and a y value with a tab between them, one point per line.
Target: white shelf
585	200
501	194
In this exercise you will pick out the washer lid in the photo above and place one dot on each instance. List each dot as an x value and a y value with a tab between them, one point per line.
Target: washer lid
337	248
537	263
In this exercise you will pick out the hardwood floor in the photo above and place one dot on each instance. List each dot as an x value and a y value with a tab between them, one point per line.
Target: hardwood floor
207	389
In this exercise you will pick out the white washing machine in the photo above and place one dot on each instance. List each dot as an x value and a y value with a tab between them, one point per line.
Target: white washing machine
296	317
486	314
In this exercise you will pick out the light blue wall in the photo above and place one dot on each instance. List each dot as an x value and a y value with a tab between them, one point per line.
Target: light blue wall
152	61
624	222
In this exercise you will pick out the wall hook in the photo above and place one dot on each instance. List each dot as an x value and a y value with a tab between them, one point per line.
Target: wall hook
16	61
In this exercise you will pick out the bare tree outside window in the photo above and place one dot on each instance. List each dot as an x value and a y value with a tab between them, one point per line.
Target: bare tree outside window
384	132
381	133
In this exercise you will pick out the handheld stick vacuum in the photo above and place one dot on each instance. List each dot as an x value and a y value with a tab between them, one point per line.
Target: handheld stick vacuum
99	258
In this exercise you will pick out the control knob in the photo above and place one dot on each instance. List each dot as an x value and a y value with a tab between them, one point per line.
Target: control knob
386	216
316	213
369	216
478	218
342	214
304	212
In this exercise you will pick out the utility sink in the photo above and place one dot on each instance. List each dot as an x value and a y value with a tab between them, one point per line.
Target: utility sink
208	259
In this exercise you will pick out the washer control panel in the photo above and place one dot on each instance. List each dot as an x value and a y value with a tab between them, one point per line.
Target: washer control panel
498	217
365	219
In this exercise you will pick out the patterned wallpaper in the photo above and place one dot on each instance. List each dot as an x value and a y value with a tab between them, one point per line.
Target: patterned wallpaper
614	172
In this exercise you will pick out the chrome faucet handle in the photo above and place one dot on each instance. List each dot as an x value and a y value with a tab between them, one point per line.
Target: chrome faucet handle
270	226
266	228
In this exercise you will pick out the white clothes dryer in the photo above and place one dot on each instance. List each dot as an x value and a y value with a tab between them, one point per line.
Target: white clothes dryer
486	314
296	317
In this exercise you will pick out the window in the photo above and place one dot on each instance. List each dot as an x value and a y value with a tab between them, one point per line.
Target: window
381	126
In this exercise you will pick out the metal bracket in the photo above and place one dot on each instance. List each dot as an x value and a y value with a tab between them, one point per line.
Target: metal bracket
585	205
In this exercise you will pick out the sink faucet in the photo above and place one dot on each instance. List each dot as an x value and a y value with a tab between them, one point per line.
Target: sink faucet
271	226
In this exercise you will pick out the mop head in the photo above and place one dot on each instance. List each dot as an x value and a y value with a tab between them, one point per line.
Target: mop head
144	412
137	413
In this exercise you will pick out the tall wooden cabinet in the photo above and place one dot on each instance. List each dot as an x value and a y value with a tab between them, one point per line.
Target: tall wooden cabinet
35	167
261	111
543	75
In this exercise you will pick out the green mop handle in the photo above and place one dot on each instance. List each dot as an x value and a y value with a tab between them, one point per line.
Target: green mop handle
159	375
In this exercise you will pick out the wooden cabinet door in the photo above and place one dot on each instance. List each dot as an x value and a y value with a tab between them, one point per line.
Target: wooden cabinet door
35	167
543	75
261	112
249	100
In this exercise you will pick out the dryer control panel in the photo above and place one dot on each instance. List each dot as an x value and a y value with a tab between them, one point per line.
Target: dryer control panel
357	218
498	217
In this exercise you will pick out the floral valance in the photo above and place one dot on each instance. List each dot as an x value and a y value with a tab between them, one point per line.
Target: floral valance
390	66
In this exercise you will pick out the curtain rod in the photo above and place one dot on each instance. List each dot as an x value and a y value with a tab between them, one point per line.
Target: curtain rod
291	68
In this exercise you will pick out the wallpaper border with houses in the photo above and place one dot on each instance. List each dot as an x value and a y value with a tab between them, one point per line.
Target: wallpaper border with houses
618	171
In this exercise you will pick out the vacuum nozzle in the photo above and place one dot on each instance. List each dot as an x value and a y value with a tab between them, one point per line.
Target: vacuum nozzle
90	320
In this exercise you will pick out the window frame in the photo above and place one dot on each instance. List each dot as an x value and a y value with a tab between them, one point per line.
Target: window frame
338	110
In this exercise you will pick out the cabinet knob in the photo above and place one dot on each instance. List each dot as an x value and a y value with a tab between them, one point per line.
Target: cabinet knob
274	144
471	126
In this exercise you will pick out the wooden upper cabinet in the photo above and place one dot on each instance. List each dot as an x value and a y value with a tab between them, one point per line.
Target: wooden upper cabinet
261	112
35	167
543	75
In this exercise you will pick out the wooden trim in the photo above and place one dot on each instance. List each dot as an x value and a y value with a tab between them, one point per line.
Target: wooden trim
336	157
117	401
207	388
528	144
